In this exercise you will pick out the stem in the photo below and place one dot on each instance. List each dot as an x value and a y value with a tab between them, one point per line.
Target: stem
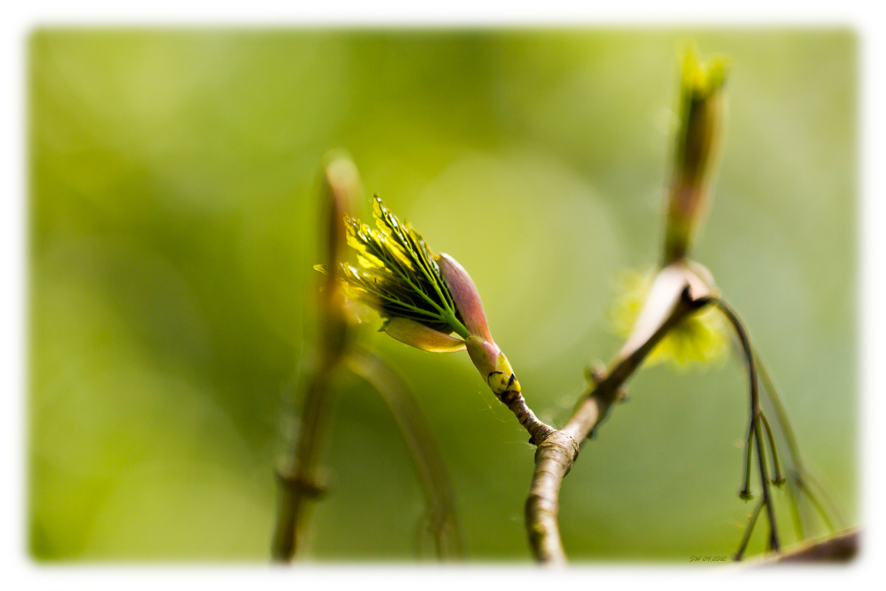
512	397
815	503
297	478
778	478
553	460
756	413
745	492
587	416
425	455
780	415
795	512
800	475
747	532
767	499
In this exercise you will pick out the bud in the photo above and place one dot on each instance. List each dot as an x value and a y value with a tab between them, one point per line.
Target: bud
341	193
423	297
465	295
698	142
485	354
492	365
398	276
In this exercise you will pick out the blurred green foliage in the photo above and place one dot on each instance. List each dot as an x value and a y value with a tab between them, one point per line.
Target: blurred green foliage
173	226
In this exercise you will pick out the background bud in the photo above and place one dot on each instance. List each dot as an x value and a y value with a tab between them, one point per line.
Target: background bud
340	194
698	141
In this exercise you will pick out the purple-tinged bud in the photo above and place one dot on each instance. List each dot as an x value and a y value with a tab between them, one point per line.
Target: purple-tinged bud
465	295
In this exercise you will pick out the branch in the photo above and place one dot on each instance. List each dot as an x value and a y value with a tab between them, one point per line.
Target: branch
555	456
840	548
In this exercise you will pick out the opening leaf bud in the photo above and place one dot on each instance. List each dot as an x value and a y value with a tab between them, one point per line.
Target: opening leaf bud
424	298
399	277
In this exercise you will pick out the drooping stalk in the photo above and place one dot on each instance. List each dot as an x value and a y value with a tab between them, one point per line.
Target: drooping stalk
755	415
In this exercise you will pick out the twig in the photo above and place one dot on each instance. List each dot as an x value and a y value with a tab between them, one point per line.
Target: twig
513	398
296	477
556	454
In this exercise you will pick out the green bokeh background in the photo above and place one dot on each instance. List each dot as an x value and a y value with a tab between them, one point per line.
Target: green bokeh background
172	229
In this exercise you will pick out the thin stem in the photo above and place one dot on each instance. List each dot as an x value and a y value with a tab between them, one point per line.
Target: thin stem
799	475
778	478
747	532
745	492
781	416
425	455
825	494
795	512
818	507
512	397
767	497
802	474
